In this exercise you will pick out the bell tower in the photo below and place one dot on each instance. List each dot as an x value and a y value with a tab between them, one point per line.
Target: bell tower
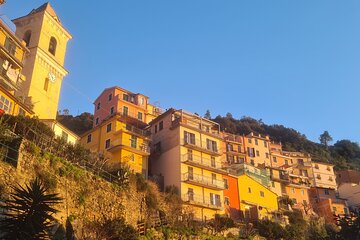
44	70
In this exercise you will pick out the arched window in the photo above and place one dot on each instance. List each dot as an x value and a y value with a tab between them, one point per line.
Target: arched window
27	37
52	46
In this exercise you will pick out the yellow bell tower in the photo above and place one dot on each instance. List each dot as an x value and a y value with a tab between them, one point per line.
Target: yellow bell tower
44	70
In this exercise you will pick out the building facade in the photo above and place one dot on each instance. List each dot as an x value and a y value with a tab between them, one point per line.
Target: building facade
46	38
187	154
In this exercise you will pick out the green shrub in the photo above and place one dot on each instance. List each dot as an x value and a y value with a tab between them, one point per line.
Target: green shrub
271	230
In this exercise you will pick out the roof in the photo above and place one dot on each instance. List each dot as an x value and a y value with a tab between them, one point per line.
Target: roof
121	89
56	122
48	8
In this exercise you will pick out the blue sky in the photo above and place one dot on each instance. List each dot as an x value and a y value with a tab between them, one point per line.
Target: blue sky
295	63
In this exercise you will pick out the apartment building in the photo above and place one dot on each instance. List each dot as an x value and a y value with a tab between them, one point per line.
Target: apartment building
323	193
257	149
12	54
116	100
233	149
186	153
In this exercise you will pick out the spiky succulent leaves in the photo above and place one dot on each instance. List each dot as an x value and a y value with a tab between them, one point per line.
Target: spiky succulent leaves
28	213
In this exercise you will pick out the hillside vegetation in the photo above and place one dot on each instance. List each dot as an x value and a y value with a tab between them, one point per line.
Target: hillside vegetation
344	153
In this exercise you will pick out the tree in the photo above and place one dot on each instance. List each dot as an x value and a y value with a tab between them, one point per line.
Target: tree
28	212
207	114
325	138
271	230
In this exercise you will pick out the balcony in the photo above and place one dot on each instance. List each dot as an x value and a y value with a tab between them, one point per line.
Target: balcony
141	149
197	126
204	163
196	144
135	131
202	201
304	164
233	151
9	79
203	181
234	139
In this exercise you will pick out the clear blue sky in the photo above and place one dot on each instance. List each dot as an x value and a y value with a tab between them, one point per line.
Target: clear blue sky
295	63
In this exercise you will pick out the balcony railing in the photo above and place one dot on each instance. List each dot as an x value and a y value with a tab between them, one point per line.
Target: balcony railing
202	146
202	201
234	138
137	131
198	160
196	125
203	181
141	148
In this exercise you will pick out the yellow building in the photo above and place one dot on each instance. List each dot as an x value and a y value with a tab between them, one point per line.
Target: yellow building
61	131
46	38
186	153
120	143
256	200
12	52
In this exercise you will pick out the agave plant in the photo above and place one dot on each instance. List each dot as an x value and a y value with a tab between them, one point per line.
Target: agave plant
28	214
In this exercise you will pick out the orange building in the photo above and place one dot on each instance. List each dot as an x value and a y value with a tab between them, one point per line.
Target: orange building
234	149
231	197
257	149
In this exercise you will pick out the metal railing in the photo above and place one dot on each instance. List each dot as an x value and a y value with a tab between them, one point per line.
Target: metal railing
137	130
201	161
139	147
203	180
200	200
200	144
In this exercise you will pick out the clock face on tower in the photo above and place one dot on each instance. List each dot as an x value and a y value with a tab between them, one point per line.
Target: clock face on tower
51	77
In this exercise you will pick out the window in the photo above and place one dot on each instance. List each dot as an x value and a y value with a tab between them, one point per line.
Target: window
189	137
273	184
331	179
140	116
98	106
286	162
249	189
190	194
318	176
294	200
126	97
27	37
108	127
22	112
107	143
229	147
267	155
190	154
230	159
265	144
251	152
112	110
256	142
89	138
52	45
125	110
334	209
274	159
226	183
252	162
316	166
161	125
215	199
326	191
211	145
133	141
249	140
257	153
155	128
190	173
5	104
110	97
64	136
227	201
10	46
213	162
302	192
96	121
293	190
46	84
262	194
141	101
213	178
